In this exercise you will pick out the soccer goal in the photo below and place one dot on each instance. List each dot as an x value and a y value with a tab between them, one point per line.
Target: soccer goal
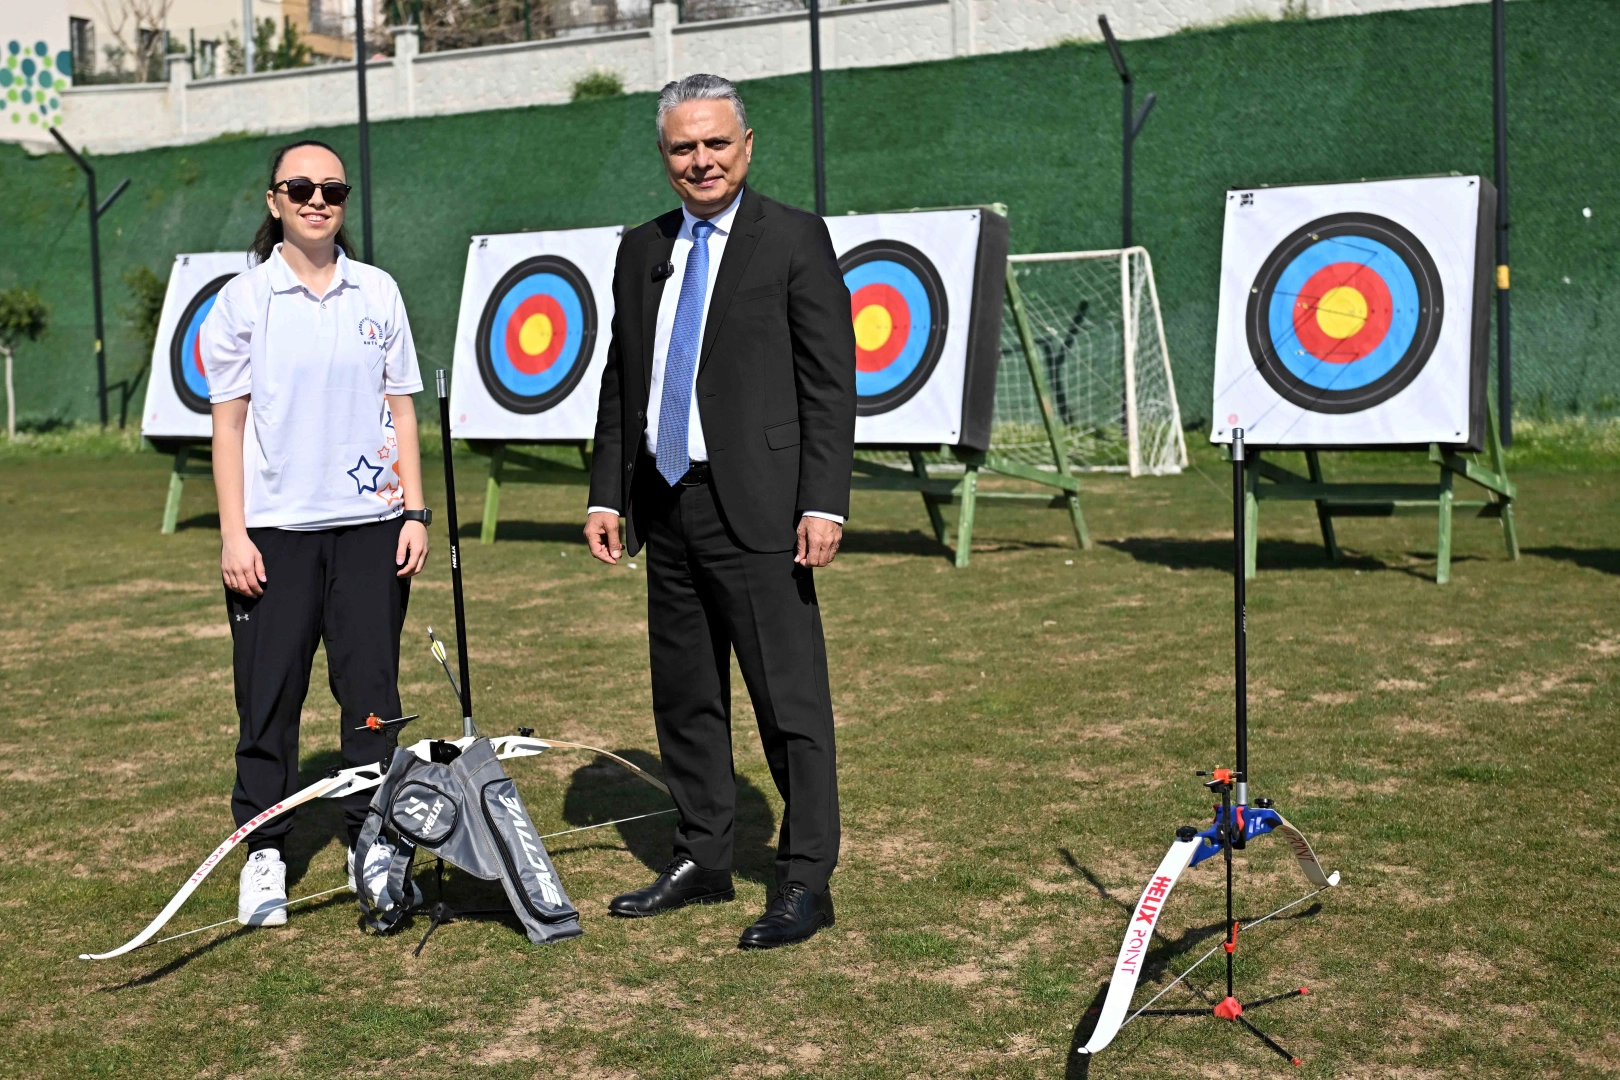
1096	339
1082	384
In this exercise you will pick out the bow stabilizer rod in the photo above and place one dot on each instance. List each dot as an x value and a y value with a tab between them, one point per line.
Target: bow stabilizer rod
1240	626
467	726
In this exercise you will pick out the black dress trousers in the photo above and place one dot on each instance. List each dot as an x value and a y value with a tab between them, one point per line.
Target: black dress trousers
708	596
333	585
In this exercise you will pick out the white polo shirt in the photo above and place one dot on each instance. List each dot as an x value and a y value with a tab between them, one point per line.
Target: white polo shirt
319	450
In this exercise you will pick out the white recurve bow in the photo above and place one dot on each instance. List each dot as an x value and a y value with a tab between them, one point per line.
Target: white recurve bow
349	782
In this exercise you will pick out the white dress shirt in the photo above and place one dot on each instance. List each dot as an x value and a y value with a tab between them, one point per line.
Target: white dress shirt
696	448
318	451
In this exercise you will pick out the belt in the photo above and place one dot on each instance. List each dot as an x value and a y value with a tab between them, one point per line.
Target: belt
696	476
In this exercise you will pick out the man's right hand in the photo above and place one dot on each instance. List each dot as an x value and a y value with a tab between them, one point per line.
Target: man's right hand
602	536
242	566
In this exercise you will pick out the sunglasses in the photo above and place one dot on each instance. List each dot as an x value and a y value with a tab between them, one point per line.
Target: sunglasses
300	191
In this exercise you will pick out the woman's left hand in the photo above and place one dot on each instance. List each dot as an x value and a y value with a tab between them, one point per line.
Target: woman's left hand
413	549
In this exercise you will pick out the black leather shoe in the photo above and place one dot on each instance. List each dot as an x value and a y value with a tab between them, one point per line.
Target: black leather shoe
682	882
794	914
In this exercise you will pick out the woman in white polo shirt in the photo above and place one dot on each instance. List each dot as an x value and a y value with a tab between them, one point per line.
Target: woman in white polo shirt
310	369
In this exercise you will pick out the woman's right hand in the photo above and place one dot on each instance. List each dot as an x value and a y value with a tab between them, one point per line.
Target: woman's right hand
242	566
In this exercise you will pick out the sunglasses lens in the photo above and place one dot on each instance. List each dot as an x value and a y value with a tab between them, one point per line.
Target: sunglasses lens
300	191
335	194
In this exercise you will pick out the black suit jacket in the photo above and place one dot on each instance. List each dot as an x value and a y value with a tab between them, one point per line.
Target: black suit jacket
775	377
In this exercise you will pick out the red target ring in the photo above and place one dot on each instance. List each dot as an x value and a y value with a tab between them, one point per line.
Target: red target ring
1343	312
882	308
535	334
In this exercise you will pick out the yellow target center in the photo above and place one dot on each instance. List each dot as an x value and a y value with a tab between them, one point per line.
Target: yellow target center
1342	312
535	337
873	325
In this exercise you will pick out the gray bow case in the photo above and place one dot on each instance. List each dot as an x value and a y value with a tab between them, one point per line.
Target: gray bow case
464	809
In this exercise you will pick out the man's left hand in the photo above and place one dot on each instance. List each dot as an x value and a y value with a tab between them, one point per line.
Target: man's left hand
818	541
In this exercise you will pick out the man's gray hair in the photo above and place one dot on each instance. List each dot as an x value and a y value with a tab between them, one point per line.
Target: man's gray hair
699	88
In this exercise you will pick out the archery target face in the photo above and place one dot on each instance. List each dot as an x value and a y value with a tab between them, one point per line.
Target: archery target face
898	307
185	350
910	280
177	403
534	311
1346	313
536	334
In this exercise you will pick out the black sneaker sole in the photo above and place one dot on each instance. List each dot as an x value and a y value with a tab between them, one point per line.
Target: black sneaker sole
725	897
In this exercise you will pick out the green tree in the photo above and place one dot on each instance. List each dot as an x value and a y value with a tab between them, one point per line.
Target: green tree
23	317
144	314
292	52
268	55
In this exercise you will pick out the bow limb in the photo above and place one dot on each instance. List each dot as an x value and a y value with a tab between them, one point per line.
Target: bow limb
511	746
345	782
1138	935
638	770
1309	864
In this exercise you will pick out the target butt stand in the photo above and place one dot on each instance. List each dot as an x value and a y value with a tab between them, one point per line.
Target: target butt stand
1236	823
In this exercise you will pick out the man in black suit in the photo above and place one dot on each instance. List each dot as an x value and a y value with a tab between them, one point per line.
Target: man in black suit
726	435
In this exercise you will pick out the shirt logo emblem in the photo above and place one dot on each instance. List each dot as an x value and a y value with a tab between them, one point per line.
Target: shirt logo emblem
364	474
370	332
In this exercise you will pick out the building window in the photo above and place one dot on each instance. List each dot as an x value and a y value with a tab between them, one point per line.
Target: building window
206	61
82	35
331	18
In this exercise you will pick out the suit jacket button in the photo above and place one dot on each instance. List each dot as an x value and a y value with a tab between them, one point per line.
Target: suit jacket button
630	468
640	414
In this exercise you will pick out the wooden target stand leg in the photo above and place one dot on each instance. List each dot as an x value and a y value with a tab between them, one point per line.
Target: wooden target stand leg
190	459
1391	500
510	463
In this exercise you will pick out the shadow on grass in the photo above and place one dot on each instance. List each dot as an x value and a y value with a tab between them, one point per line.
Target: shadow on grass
1604	560
1217	555
200	521
545	532
892	542
602	791
187	957
918	542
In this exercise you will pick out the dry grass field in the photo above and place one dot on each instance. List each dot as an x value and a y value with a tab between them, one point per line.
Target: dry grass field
1017	746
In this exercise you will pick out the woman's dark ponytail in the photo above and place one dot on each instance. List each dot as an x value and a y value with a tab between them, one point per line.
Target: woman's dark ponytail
270	234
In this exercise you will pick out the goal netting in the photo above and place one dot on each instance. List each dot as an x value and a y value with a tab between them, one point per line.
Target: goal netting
1098	339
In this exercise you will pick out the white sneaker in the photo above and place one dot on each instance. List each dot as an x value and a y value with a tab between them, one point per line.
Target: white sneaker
261	899
375	872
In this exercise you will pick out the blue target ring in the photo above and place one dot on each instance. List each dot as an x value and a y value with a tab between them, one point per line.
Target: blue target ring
185	354
1377	267
1344	313
898	309
536	334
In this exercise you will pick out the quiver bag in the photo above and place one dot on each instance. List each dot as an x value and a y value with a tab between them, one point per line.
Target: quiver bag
464	809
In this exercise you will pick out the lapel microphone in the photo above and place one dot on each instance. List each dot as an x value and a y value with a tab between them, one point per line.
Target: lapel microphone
663	270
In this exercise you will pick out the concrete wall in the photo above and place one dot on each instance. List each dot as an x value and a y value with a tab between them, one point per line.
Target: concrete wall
109	119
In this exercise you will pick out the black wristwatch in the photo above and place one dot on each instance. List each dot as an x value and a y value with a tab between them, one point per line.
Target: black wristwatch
424	515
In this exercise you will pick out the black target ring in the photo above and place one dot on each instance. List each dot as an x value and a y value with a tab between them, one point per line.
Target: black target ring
190	383
548	287
1397	267
904	283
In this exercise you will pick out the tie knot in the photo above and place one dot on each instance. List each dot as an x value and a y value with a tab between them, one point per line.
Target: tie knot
702	229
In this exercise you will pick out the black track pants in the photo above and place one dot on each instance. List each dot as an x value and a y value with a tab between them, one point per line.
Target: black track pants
336	586
707	596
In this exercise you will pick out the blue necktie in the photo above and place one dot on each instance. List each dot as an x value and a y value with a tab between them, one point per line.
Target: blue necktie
675	402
